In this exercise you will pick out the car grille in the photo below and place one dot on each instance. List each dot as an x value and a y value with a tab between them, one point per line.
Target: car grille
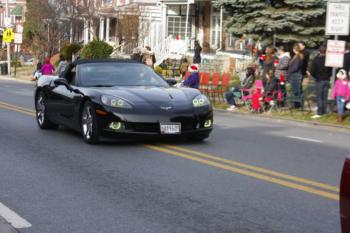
154	127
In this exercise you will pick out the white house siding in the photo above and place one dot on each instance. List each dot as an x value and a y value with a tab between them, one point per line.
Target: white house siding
150	25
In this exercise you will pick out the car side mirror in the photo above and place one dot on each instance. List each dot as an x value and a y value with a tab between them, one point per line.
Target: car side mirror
171	81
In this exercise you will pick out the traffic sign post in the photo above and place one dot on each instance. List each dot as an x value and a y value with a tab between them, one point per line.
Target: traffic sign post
337	24
337	20
335	53
17	41
8	19
8	35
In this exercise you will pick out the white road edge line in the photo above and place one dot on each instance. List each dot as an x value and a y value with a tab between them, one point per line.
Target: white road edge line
14	219
305	139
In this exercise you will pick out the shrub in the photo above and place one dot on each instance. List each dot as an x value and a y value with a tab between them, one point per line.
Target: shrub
17	63
97	49
158	70
69	49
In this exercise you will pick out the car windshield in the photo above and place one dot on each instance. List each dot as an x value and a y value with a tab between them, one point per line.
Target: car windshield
108	74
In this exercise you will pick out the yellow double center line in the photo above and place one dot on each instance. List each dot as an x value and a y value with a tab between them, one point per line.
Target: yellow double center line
293	182
309	186
17	109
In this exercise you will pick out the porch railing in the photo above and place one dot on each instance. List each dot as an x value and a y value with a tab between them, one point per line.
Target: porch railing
169	48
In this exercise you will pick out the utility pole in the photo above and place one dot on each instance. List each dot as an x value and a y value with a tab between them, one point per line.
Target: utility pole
8	43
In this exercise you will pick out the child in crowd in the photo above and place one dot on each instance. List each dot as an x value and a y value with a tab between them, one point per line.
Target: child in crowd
257	96
184	67
37	72
47	68
341	93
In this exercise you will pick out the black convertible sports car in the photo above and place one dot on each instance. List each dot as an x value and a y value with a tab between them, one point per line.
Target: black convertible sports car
120	99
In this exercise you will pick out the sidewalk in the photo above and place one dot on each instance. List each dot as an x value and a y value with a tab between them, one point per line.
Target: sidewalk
18	78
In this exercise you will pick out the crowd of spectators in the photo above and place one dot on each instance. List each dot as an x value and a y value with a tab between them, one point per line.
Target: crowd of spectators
276	67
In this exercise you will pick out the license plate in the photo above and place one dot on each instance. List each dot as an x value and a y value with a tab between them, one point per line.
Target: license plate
173	128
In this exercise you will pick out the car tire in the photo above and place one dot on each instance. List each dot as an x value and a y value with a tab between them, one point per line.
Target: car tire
42	117
89	127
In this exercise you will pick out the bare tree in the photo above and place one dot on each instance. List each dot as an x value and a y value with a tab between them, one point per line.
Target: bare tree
43	29
84	10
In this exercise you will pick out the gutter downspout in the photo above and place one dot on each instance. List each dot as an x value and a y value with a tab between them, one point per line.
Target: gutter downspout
221	31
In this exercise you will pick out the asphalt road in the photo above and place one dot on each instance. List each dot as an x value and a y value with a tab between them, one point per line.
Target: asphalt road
251	175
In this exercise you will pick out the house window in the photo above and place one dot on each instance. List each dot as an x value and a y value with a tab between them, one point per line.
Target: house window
176	23
215	30
177	26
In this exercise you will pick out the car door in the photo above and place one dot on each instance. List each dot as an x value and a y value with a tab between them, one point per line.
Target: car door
62	101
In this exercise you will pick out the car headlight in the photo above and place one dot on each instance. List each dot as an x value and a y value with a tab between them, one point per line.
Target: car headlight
200	101
114	102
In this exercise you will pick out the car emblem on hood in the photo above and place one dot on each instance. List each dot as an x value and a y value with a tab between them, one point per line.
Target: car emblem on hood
166	108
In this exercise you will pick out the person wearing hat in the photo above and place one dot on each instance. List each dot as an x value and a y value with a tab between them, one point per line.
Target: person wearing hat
341	93
193	80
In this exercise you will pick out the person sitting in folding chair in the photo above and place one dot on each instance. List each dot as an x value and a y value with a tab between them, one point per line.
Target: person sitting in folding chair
270	91
246	84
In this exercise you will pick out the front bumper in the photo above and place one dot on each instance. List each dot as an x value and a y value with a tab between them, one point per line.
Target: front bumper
146	125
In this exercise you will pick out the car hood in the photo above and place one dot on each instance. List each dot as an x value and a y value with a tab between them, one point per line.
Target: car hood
155	96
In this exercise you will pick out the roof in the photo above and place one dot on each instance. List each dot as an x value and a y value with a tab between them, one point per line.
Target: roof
17	11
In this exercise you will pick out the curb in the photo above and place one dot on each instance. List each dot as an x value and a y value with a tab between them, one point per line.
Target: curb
6	227
312	123
15	79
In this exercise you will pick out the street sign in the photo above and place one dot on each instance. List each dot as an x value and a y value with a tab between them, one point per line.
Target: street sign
8	35
18	38
335	53
19	28
7	21
338	16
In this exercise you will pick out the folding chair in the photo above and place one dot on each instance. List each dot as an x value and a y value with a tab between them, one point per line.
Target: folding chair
204	82
224	85
214	88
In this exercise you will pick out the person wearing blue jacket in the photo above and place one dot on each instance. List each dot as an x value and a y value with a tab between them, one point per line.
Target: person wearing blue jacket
193	80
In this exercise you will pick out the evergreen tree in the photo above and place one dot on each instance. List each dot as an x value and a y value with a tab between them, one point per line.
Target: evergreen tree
289	20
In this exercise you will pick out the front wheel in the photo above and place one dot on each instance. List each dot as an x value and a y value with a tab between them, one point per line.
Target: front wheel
89	127
41	113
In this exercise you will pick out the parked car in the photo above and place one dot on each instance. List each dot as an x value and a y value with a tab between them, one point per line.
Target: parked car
345	197
120	99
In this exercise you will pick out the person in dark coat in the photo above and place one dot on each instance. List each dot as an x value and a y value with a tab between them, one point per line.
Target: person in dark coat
346	65
306	58
270	87
268	63
294	74
197	53
193	80
136	55
322	75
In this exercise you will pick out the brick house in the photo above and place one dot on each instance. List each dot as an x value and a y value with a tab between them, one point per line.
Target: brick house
16	10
